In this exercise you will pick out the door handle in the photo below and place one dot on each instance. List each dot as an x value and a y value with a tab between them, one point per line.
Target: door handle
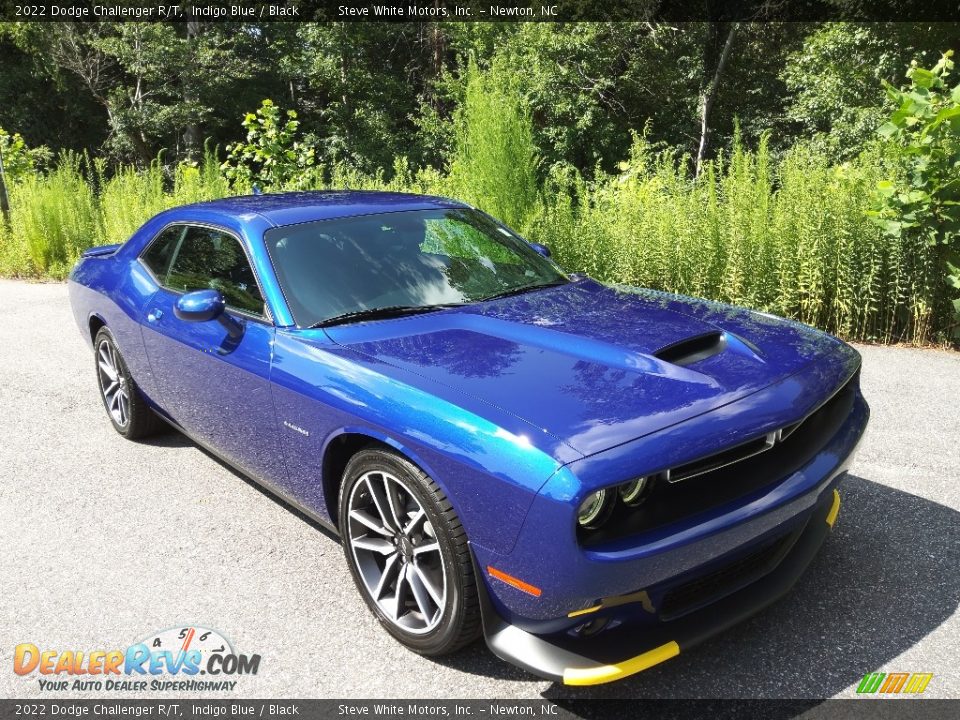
154	315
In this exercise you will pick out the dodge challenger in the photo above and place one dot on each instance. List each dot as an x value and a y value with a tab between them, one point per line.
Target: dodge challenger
593	478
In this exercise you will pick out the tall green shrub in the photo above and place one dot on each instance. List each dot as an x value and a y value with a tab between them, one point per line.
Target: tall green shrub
54	217
194	182
273	156
495	160
20	161
129	198
790	237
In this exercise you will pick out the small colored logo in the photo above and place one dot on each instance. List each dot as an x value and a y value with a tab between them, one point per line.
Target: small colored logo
894	683
171	659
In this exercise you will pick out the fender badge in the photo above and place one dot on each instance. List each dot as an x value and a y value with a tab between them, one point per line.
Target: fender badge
296	428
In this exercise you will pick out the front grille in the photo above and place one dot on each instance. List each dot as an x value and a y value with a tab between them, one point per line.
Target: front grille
729	475
728	579
722	459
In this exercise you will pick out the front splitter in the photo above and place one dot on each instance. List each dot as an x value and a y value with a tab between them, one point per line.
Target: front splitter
612	655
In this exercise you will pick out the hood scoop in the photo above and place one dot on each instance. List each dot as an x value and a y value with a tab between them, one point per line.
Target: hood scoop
694	349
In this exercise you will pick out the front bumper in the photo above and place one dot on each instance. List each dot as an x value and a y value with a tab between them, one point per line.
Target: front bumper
612	654
592	614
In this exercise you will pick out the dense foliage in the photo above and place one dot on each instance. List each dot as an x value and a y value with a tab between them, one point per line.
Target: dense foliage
582	136
923	202
272	155
19	161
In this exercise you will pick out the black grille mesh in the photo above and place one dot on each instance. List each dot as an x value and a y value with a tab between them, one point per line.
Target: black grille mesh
729	578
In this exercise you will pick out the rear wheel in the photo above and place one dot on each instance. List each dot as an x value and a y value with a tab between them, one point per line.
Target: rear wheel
408	553
125	406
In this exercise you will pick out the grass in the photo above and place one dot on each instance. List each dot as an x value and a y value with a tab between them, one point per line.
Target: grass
75	206
53	218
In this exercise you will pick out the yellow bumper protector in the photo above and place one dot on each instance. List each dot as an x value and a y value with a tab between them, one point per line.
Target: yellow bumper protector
834	510
585	611
609	673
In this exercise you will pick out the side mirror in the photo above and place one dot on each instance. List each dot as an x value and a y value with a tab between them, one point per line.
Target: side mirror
540	249
206	305
200	306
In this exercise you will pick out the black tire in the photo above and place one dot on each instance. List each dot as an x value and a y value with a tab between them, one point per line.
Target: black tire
138	420
459	621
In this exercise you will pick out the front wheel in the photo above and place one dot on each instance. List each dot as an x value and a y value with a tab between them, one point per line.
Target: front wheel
408	553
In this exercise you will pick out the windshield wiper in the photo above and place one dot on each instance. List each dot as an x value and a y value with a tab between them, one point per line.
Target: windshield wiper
524	288
380	313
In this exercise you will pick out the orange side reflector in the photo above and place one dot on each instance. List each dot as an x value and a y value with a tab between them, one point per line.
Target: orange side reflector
514	582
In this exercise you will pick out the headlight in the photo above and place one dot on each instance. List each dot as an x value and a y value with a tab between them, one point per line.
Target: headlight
632	493
595	509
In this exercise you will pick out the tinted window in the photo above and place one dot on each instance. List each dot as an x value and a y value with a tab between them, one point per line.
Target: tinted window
158	255
209	259
414	259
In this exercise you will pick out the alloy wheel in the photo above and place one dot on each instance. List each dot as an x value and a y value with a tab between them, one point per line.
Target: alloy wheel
396	552
114	383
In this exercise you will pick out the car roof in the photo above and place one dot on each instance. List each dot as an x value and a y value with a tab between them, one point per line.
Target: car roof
298	207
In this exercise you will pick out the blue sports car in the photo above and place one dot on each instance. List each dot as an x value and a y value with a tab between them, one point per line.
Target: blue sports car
593	478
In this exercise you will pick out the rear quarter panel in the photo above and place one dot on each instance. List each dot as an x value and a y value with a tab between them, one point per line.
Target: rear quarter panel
113	289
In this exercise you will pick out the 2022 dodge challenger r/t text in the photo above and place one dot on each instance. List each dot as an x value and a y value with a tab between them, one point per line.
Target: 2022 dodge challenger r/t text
593	478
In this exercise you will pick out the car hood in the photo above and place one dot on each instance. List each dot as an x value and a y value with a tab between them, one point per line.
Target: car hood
592	365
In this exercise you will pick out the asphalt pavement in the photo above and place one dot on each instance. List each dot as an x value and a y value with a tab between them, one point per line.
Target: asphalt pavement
105	541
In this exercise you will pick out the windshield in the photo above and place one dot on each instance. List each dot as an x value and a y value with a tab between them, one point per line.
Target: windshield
413	259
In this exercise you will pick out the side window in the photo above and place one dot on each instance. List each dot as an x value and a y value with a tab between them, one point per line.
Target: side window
161	250
209	259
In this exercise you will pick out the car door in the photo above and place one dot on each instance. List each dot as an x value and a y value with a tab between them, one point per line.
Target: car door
214	386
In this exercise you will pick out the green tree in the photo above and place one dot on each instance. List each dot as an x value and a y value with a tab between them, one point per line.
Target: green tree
835	80
273	156
923	201
586	84
158	86
19	161
52	111
360	85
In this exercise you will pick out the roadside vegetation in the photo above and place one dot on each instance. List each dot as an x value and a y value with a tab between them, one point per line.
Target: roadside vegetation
850	225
